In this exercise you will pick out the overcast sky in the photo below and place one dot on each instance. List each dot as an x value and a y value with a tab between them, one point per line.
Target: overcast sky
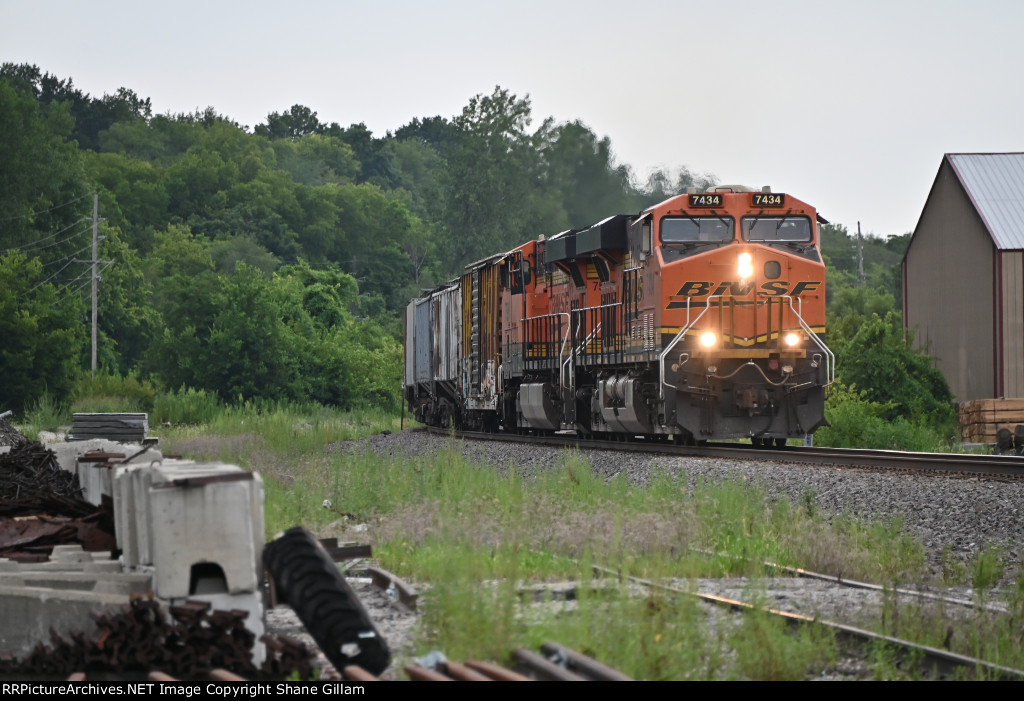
846	105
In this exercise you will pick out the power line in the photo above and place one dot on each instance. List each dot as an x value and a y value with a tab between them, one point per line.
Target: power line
76	290
67	285
68	257
26	248
44	211
106	264
27	292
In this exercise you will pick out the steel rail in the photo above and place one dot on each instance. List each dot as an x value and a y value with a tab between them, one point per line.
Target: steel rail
942	661
1006	466
402	595
840	581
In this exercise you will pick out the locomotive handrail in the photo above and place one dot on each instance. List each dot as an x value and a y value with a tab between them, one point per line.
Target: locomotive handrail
679	336
588	340
830	367
598	326
561	351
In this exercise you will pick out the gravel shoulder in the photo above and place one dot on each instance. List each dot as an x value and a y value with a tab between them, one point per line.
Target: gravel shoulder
963	514
951	517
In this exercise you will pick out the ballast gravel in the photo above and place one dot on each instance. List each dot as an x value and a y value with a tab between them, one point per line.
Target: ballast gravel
953	518
959	514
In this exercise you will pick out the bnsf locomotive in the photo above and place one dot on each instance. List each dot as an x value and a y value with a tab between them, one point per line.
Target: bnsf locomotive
702	317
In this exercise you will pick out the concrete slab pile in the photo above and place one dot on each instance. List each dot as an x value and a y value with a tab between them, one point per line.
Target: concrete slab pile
186	531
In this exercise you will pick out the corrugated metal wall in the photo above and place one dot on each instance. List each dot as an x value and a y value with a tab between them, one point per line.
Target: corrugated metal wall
424	343
950	289
1012	274
447	320
410	344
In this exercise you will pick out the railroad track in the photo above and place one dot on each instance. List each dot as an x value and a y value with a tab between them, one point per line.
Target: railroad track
931	662
965	465
555	662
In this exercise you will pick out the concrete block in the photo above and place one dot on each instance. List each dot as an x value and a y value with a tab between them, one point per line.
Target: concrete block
70	553
103	566
28	613
205	520
123	584
130	491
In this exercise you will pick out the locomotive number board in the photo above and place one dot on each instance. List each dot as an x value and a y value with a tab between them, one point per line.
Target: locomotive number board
706	199
768	199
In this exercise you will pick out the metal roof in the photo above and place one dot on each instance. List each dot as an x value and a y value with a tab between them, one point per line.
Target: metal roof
995	184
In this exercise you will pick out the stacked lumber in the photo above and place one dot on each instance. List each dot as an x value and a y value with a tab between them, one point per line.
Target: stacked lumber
125	428
980	420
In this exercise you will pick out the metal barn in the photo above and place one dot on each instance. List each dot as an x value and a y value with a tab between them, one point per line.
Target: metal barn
963	274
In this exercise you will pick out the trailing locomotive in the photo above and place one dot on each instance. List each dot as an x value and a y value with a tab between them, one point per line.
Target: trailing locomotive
699	318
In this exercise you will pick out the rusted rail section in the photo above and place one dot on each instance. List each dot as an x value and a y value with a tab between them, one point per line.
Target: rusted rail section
855	584
402	595
555	663
944	663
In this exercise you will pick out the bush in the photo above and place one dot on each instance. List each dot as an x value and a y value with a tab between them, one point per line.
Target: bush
109	391
857	422
185	406
901	381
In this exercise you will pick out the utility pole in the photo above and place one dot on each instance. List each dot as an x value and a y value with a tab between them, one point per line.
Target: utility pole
96	238
860	256
95	255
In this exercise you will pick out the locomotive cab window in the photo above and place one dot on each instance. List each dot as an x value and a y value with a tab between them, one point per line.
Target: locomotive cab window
703	229
785	229
516	274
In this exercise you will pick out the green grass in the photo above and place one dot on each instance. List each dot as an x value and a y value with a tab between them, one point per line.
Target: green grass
477	538
44	414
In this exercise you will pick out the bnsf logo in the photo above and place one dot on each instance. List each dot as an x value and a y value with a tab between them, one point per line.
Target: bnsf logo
775	288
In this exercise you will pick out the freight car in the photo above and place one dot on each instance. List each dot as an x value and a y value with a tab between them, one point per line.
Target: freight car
702	317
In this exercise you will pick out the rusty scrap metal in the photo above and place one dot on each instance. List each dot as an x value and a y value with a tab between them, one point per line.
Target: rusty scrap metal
544	669
31	472
402	595
41	506
557	663
581	664
138	637
346	551
10	435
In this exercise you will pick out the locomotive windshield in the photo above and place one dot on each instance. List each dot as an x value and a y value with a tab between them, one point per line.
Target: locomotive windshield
714	229
776	229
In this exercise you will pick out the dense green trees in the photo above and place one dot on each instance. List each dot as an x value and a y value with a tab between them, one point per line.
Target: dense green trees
275	263
40	175
888	394
41	330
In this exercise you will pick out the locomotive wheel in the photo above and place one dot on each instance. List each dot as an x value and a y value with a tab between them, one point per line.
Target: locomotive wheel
307	578
780	442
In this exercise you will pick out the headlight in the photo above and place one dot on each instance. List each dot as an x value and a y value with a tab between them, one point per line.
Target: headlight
707	339
792	339
746	266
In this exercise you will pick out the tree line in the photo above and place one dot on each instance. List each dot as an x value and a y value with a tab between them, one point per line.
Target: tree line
274	262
